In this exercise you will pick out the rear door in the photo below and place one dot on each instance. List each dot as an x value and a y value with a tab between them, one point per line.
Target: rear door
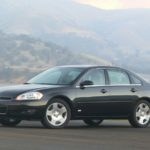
122	93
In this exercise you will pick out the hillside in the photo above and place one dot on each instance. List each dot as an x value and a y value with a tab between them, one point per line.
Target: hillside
114	35
23	56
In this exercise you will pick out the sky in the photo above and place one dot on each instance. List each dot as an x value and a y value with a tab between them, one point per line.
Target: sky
116	4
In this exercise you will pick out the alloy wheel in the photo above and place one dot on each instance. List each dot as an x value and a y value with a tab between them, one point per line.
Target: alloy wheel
143	113
56	114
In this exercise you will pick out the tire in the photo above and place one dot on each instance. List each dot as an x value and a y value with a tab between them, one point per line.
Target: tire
140	116
93	122
57	114
10	122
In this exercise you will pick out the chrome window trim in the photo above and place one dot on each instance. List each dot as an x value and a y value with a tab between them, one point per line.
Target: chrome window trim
110	85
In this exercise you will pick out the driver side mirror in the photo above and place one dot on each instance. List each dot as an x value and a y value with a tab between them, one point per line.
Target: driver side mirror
86	83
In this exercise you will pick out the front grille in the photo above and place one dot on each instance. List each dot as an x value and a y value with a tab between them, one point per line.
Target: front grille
5	98
3	109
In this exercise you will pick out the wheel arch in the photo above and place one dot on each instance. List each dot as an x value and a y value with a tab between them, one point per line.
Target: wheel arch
66	99
145	98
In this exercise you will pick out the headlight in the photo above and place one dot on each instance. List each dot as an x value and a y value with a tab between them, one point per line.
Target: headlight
30	96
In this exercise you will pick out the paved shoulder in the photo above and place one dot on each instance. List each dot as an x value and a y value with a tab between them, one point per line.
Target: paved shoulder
110	135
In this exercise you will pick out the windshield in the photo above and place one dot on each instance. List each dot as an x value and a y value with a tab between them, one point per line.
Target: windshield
57	76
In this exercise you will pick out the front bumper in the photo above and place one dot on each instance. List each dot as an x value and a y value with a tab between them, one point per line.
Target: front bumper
26	110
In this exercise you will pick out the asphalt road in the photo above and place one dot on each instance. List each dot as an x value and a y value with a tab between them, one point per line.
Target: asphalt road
111	135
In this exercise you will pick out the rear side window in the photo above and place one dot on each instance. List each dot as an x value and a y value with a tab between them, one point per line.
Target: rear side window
135	80
117	77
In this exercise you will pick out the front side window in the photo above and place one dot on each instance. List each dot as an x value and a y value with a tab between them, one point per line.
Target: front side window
97	76
117	77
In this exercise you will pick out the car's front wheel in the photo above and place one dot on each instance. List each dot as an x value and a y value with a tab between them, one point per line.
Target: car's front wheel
57	114
93	122
140	117
10	122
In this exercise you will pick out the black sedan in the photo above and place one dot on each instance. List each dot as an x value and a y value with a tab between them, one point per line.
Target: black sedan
88	93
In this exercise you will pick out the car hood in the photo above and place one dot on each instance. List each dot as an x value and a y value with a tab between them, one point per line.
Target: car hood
7	92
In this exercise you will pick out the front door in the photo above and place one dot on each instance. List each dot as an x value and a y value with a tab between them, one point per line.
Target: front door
91	99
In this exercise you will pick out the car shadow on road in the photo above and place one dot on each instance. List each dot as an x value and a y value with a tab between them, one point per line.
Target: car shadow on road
76	125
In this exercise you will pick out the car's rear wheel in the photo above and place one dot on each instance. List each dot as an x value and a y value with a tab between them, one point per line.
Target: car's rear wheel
57	114
10	122
93	122
140	117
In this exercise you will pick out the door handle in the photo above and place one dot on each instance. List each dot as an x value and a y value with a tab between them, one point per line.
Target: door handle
133	90
103	91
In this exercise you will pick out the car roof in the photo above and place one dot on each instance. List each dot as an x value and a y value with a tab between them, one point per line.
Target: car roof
89	66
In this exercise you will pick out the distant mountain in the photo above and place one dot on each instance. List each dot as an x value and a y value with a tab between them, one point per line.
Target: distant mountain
23	56
120	36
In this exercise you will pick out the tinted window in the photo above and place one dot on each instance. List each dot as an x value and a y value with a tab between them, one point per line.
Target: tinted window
57	76
97	76
135	80
118	77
